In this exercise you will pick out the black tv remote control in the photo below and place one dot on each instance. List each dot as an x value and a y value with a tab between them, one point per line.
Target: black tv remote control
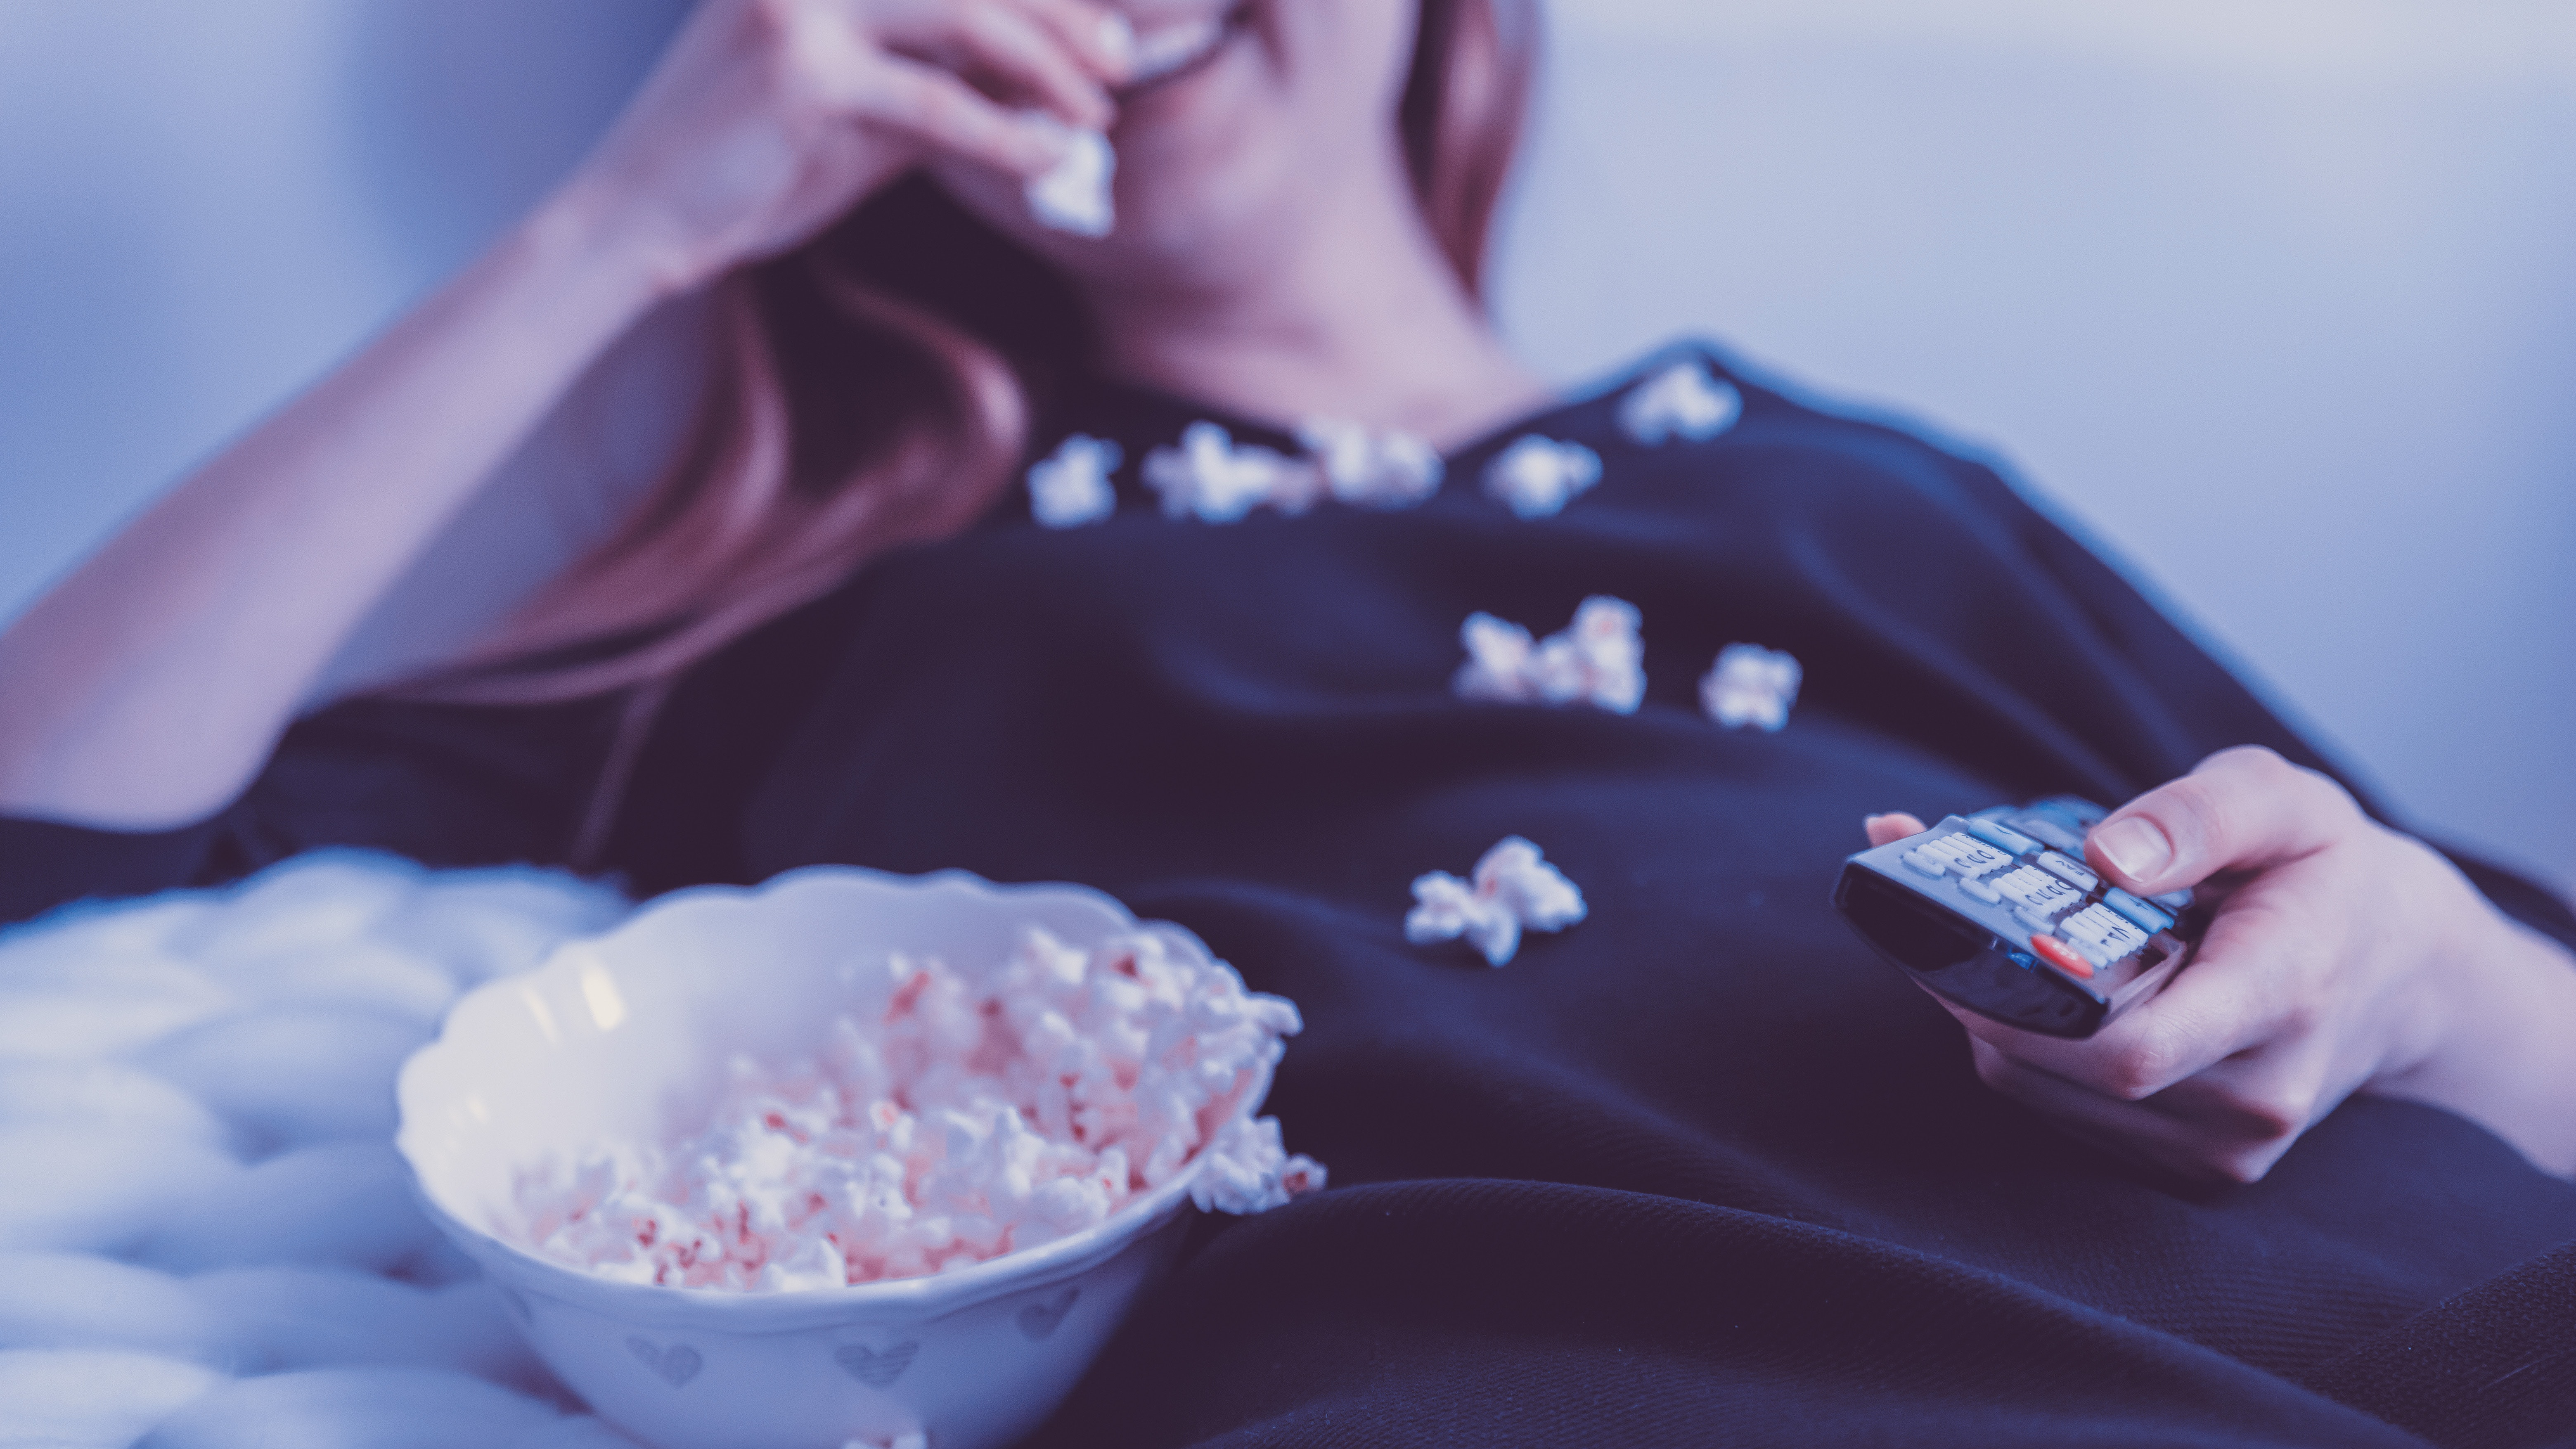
1999	913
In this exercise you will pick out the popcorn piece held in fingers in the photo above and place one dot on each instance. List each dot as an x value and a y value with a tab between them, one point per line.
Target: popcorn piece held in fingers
1072	487
1750	685
1535	477
1074	195
1513	889
1682	401
1598	660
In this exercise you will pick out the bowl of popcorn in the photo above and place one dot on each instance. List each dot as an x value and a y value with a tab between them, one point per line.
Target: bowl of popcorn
848	1159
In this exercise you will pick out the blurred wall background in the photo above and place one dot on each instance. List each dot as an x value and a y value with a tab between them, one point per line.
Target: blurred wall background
2272	299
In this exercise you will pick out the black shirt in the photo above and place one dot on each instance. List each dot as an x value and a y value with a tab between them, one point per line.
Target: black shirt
1701	1168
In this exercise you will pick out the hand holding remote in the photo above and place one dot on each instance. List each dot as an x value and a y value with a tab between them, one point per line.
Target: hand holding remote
2345	957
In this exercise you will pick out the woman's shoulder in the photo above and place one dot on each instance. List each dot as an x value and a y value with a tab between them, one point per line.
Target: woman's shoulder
1695	393
1694	410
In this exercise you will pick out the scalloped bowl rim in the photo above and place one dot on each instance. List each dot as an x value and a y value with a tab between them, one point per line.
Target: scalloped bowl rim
920	1296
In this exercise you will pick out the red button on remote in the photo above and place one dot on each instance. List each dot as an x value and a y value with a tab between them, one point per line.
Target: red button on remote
2062	956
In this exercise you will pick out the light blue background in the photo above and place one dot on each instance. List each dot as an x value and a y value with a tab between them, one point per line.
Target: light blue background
2273	298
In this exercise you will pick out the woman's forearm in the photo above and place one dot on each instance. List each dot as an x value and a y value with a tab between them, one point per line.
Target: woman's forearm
146	689
2509	1056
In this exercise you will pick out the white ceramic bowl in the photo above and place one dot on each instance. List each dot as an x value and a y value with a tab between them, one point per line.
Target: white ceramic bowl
626	1035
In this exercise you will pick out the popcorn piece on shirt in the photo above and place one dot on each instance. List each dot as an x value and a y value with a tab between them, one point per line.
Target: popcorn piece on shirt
1210	477
1682	400
1498	660
1072	487
1446	908
1750	685
1598	660
1514	889
1535	476
1073	195
945	1123
1373	470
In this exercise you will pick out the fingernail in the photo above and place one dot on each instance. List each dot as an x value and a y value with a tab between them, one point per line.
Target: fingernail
2135	847
1118	39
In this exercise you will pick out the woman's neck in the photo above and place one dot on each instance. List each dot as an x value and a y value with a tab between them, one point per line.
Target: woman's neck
1355	316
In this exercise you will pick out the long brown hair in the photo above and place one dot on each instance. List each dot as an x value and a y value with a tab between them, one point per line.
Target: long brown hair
875	387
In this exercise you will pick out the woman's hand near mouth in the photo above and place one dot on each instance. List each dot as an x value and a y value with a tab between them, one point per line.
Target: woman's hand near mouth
769	118
220	607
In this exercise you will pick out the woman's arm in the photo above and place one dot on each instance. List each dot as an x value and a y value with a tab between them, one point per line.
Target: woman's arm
2346	957
146	689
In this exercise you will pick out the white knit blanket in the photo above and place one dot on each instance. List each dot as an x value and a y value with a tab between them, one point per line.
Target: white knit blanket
206	1240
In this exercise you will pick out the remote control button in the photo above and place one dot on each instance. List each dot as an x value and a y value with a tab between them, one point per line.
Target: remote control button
2044	894
1981	889
2147	917
1925	861
1966	855
1984	860
2037	920
2062	956
2002	837
2103	932
2069	872
2090	926
2174	901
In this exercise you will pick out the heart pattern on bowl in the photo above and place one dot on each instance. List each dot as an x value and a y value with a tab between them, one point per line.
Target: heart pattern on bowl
1038	1320
677	1364
878	1368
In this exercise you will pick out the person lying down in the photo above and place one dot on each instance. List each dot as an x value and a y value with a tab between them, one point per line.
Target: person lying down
1143	552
